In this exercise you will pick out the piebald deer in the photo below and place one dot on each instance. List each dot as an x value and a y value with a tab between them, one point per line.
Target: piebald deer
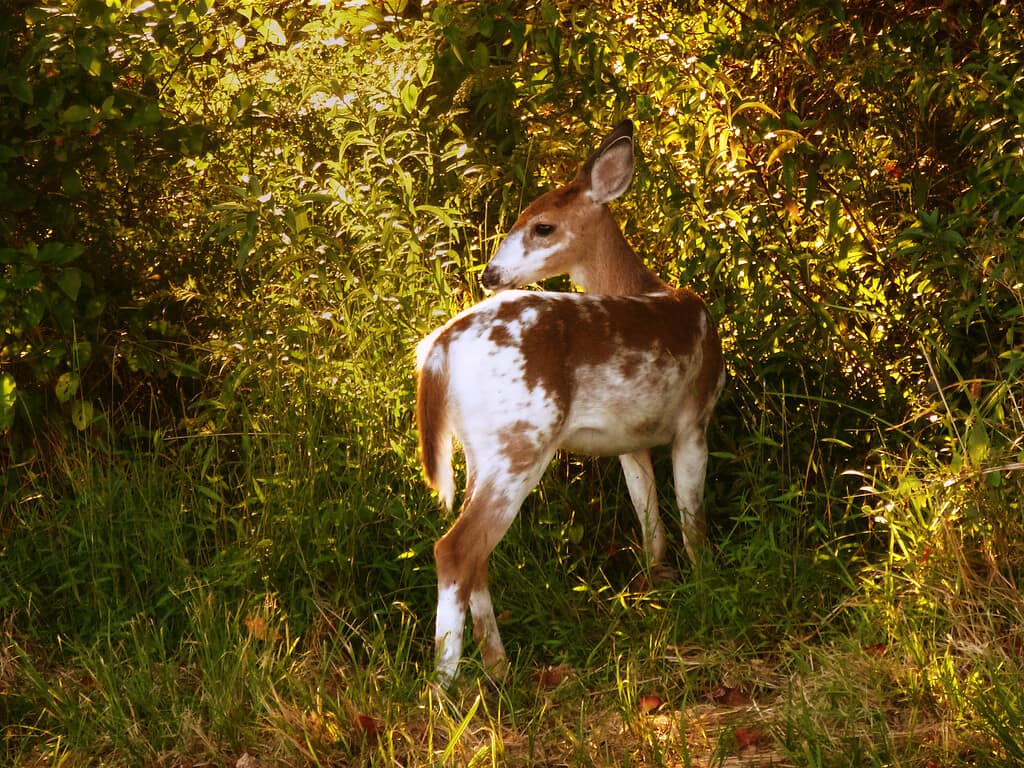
631	364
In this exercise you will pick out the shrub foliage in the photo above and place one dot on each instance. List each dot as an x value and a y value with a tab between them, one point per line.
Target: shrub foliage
223	227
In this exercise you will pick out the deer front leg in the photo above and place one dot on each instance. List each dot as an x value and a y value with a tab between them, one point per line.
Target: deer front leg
639	474
689	468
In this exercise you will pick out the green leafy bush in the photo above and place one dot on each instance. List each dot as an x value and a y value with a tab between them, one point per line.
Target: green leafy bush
225	226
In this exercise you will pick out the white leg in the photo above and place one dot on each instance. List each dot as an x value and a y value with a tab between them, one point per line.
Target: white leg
451	621
643	493
689	467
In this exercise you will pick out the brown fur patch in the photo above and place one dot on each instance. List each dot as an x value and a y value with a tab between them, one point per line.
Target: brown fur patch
556	198
500	335
461	554
570	333
520	447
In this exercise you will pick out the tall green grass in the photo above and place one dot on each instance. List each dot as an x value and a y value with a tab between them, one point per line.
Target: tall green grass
159	618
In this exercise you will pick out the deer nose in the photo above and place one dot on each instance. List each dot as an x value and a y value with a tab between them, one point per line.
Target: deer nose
490	278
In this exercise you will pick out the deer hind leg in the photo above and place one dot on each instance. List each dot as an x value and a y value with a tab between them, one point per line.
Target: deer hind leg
689	467
639	474
462	555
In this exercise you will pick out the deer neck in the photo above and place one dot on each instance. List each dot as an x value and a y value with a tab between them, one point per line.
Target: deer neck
613	267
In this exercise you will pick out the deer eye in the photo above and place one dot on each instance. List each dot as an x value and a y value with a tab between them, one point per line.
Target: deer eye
543	230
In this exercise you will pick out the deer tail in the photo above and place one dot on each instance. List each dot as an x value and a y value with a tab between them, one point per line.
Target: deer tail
433	418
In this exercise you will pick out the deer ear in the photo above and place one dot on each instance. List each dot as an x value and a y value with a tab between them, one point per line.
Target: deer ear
606	173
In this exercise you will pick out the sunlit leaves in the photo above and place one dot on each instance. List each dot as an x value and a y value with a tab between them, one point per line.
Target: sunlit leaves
271	31
819	174
8	397
82	414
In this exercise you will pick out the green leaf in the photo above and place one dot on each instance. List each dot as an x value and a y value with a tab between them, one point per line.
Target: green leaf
81	352
25	279
67	386
443	215
425	70
70	281
34	310
71	183
81	414
76	113
791	141
21	90
209	493
8	396
94	307
245	246
978	443
108	110
60	253
410	96
273	33
481	57
300	221
549	13
89	60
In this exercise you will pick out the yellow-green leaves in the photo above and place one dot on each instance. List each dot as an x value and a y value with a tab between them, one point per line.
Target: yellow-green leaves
8	397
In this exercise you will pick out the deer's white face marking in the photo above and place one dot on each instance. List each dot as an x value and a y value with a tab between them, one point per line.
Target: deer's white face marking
525	257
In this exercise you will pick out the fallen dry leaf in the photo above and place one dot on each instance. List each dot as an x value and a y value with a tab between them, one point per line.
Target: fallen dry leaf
552	677
367	726
730	697
649	704
751	738
259	628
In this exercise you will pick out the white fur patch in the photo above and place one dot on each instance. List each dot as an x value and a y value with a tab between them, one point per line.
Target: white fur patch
639	474
519	264
488	387
480	604
511	251
451	620
424	347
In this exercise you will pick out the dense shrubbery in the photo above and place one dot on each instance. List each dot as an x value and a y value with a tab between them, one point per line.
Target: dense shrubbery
225	226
